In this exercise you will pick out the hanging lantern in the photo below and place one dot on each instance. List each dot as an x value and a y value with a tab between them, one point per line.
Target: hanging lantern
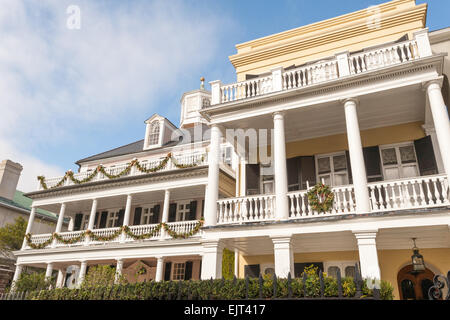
417	260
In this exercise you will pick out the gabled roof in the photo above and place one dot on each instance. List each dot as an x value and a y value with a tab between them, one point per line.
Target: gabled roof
138	146
23	203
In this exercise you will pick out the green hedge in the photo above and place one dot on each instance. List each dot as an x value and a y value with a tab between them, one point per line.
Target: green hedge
211	289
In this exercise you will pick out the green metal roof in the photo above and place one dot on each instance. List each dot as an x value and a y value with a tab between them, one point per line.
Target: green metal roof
21	202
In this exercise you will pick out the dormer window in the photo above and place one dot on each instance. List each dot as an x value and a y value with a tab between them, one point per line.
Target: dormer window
154	133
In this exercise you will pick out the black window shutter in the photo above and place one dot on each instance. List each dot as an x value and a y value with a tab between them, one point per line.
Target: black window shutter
137	216
77	222
193	210
349	168
188	270
425	156
97	217
300	267
203	208
373	163
252	270
307	171
252	179
172	212
103	219
119	221
167	270
293	167
156	210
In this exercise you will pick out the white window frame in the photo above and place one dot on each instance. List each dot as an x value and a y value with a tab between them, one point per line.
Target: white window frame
151	134
331	173
340	264
399	165
172	273
263	182
143	215
113	216
183	212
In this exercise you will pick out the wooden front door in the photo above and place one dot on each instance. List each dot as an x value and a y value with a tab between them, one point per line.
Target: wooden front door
414	287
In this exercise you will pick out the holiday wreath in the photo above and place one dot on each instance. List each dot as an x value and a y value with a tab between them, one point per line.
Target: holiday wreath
321	198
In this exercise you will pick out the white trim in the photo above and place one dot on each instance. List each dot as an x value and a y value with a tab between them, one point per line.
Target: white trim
399	164
330	156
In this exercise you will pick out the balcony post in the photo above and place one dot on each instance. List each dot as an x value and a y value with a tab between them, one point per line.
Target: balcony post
356	157
17	273
215	92
441	121
284	256
277	79
119	268
368	256
60	221
159	269
71	224
236	263
342	62
82	273
213	177
212	259
29	225
49	271
280	169
91	219
423	43
165	214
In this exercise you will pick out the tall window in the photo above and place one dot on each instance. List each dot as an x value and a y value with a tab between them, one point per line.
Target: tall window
178	271
113	217
399	161
183	210
332	169
154	133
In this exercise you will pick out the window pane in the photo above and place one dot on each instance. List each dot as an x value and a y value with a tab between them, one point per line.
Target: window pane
410	171
340	179
407	154
389	156
268	187
324	165
326	180
332	271
340	163
392	173
350	271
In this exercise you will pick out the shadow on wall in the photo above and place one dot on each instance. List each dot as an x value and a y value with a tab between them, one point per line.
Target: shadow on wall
446	91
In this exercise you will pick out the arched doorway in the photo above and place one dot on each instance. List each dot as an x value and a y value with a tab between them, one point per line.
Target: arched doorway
414	287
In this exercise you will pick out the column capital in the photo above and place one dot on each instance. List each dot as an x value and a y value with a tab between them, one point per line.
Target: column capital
212	244
352	99
429	129
281	239
160	258
427	84
278	115
119	259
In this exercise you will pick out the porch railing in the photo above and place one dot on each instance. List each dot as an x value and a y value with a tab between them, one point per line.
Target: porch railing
244	209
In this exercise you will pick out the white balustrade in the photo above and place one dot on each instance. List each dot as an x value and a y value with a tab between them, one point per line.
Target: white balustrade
420	192
182	227
105	233
69	235
246	209
309	75
246	89
40	238
143	229
383	57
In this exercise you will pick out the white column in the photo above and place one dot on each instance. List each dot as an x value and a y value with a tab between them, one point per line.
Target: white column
16	277
60	279
213	177
60	218
236	263
49	271
82	273
284	256
441	121
159	268
165	214
119	268
356	157
368	256
212	259
280	169
92	215
29	226
126	218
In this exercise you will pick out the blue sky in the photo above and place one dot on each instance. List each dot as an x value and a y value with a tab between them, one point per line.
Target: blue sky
68	94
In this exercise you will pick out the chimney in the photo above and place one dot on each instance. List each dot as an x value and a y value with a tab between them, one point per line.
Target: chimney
9	177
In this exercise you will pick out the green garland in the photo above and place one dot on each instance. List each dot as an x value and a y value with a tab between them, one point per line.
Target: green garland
321	198
123	229
101	169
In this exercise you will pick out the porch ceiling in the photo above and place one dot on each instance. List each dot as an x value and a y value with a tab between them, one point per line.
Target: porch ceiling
390	107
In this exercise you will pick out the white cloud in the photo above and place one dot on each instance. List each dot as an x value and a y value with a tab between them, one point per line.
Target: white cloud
55	81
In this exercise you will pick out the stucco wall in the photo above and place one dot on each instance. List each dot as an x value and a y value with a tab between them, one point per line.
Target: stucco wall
7	216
